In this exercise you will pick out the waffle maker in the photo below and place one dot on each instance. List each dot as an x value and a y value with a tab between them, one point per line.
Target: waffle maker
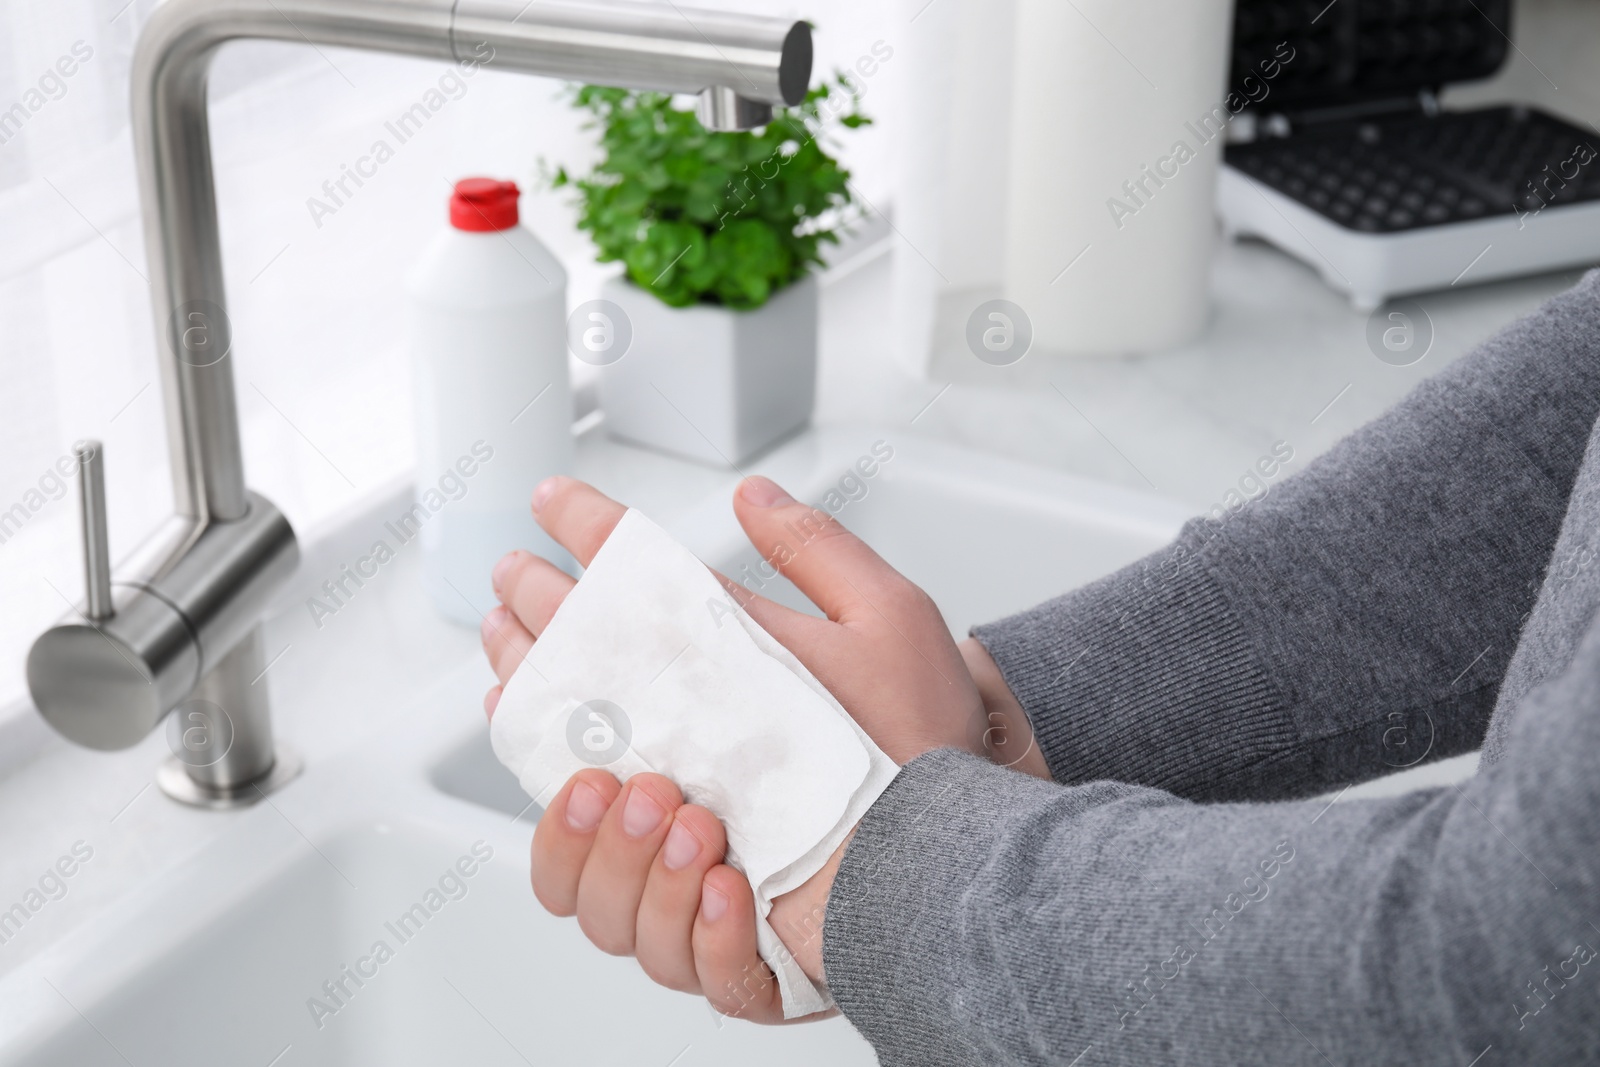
1349	163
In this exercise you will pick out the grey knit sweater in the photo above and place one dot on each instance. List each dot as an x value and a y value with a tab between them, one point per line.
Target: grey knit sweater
1175	896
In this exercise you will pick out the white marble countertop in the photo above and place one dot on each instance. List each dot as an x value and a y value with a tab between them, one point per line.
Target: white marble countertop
1283	359
1279	350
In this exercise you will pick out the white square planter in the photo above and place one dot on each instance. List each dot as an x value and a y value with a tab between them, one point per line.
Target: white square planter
710	383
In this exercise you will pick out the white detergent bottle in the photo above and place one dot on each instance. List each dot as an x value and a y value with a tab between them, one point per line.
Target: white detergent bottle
493	401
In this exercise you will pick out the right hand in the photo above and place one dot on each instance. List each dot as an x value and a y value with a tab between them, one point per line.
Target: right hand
643	872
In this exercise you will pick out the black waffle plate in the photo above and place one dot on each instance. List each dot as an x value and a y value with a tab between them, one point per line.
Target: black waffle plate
1405	173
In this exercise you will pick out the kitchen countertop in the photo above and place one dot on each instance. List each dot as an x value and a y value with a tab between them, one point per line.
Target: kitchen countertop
1283	358
1279	350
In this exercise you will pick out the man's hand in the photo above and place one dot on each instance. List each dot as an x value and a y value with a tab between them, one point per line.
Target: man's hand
883	651
643	871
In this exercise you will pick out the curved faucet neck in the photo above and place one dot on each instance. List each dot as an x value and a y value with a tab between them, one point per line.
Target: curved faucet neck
748	61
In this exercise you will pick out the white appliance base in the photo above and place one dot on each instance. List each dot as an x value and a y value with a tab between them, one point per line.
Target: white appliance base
1373	267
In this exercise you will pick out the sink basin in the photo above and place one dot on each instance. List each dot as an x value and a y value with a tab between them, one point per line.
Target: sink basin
231	958
984	536
404	859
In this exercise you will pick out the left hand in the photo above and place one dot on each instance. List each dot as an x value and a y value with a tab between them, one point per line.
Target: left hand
883	651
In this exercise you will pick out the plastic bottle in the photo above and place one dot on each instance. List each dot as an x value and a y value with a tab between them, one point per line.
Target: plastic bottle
493	401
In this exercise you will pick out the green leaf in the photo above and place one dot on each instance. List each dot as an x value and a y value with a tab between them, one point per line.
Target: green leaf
698	216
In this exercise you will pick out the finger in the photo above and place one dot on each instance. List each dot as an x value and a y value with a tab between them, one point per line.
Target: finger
505	641
579	516
732	974
694	844
532	587
565	835
614	875
491	700
832	566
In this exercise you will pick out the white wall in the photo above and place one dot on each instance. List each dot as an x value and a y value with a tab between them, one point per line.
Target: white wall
324	388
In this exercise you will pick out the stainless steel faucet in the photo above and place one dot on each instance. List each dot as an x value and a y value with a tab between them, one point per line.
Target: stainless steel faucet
177	625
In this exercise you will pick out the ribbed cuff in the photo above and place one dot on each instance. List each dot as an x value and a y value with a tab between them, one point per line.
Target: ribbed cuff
892	961
1144	677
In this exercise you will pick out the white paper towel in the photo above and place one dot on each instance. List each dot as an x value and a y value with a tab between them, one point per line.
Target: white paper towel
1021	120
1100	100
649	665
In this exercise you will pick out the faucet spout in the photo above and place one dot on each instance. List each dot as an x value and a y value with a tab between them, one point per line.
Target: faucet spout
746	63
180	623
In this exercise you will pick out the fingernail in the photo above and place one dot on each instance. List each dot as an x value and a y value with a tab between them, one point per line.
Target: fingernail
491	700
543	491
585	807
497	578
713	904
642	814
764	492
681	847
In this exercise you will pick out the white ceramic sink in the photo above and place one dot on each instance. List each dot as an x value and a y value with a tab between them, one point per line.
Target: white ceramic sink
218	959
225	960
984	536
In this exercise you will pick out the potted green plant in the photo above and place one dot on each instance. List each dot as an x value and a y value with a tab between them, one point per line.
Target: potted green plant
708	339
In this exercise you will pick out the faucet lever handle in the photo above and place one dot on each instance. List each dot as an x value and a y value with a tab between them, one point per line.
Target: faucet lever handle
96	543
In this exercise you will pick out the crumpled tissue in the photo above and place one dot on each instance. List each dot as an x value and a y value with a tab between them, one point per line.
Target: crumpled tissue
650	665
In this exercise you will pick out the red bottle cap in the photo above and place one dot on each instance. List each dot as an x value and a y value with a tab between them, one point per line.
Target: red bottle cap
483	205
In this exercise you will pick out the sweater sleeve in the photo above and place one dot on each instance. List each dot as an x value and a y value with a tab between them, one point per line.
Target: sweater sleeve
981	916
1356	619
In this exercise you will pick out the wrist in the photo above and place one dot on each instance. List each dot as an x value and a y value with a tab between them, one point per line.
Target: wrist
1005	732
798	915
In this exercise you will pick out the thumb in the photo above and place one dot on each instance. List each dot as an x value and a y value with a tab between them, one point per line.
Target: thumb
832	566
